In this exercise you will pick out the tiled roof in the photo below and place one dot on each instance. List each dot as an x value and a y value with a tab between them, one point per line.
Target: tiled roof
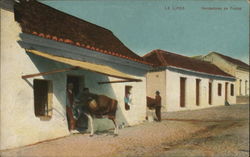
44	21
162	58
233	60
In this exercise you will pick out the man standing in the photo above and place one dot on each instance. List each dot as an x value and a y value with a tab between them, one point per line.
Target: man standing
69	108
158	105
128	97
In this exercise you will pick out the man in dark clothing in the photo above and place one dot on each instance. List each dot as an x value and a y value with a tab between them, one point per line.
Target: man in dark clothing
158	105
69	108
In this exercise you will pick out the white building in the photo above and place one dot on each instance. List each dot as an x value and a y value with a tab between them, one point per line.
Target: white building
234	67
43	49
186	83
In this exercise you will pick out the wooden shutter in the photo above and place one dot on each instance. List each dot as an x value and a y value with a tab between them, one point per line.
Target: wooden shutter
198	92
40	97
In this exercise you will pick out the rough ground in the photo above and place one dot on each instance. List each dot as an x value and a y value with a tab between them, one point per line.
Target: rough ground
218	131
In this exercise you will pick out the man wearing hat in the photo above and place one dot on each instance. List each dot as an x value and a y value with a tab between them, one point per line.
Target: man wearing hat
158	105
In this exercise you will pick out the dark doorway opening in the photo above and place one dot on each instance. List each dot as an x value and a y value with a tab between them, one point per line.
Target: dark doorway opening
226	84
81	121
75	80
210	93
198	92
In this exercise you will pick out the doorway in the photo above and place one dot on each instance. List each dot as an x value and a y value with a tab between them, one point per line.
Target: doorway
226	84
210	93
182	91
78	84
198	92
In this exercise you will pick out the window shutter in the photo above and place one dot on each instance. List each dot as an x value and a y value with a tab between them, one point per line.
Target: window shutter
40	97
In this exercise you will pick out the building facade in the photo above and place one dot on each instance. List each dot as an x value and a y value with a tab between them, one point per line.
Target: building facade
186	83
39	59
234	67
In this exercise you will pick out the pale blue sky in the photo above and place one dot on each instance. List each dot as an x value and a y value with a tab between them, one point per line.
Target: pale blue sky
145	25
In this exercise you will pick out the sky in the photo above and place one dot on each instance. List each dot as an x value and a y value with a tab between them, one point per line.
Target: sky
190	27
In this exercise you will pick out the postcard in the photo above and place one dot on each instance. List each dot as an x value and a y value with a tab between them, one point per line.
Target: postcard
124	78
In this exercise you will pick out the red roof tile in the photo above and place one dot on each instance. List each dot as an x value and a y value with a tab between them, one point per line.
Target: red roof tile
163	58
233	60
44	21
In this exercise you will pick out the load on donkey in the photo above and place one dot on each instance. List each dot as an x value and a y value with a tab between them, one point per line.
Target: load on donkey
98	106
151	103
155	104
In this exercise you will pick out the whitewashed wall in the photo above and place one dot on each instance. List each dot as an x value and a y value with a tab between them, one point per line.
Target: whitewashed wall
137	112
221	63
19	125
244	76
231	99
231	69
172	97
156	82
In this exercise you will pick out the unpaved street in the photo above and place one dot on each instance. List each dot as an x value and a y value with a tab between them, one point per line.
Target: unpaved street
219	131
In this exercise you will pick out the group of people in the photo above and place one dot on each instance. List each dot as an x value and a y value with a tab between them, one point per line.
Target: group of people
74	105
83	96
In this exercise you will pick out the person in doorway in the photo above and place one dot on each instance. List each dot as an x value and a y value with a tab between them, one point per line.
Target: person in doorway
158	105
70	107
128	98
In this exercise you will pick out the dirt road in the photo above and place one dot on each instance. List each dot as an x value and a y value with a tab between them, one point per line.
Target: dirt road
226	138
219	131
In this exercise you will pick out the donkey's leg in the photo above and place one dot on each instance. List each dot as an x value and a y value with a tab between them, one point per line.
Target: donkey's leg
91	124
116	126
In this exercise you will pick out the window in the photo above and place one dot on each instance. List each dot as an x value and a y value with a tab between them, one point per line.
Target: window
232	90
43	98
219	89
128	97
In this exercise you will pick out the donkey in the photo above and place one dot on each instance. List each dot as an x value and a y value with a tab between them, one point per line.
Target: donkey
98	106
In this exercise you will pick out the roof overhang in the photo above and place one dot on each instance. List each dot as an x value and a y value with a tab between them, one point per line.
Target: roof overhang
243	68
70	51
101	69
201	74
191	72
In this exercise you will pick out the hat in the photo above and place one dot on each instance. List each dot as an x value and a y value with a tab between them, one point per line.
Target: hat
157	92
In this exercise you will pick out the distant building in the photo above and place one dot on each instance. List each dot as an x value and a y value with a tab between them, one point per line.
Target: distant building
186	83
43	50
234	67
